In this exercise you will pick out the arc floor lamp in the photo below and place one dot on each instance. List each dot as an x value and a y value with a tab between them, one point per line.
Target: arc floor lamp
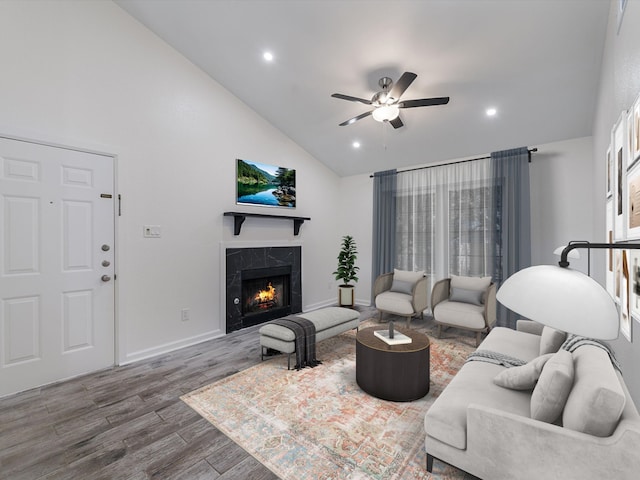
563	298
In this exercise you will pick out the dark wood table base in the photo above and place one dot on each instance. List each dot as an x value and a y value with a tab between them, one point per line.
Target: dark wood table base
399	373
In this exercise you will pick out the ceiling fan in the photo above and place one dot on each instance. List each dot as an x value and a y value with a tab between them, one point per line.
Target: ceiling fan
387	102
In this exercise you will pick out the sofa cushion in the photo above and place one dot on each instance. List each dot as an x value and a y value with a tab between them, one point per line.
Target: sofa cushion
446	420
460	314
464	295
510	342
553	387
551	340
597	398
403	280
399	303
523	377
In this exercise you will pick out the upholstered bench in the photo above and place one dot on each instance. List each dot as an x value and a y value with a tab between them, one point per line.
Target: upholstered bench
329	321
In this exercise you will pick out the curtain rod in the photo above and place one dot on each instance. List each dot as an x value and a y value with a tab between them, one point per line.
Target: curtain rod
530	150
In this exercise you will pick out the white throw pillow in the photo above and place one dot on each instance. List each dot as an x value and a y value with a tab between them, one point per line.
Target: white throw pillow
523	377
470	283
553	387
551	340
403	280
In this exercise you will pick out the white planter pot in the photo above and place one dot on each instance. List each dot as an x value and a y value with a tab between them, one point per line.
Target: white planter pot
346	296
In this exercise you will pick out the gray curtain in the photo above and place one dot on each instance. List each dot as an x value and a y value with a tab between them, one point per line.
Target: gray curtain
510	171
384	222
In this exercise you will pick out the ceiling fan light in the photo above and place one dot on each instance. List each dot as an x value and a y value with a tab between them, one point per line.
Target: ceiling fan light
386	113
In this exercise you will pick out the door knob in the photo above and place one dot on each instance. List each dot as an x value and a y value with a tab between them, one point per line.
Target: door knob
105	247
106	263
105	278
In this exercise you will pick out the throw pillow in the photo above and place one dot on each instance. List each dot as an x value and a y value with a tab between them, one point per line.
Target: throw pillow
551	340
463	295
553	387
403	280
523	377
597	398
470	283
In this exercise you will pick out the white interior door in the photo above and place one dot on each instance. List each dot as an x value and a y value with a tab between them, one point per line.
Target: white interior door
56	264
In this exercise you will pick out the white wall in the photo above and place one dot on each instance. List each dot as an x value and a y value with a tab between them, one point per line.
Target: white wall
561	195
86	74
619	86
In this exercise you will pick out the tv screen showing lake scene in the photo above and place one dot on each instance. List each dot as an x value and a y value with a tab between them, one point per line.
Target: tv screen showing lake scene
267	185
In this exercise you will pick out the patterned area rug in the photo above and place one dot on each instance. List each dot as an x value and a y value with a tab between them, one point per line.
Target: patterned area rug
317	424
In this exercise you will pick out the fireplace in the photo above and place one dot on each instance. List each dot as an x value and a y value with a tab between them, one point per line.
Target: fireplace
265	293
262	283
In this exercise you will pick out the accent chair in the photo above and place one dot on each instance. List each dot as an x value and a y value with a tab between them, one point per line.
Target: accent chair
402	293
464	302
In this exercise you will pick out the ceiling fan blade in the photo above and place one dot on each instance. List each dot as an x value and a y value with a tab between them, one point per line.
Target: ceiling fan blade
402	84
355	119
424	102
396	122
351	99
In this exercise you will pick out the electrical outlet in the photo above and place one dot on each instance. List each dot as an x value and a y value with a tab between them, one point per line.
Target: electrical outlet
185	314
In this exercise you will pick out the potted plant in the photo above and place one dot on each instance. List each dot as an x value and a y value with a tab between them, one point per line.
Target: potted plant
347	271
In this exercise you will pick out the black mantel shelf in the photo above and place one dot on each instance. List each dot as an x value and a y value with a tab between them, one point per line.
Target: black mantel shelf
239	218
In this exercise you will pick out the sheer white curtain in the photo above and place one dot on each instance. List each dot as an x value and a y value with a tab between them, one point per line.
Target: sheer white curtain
445	220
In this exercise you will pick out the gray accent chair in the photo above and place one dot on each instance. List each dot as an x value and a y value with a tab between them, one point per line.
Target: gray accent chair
450	313
403	304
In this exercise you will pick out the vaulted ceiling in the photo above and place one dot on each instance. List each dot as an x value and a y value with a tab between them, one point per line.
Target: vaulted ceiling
537	62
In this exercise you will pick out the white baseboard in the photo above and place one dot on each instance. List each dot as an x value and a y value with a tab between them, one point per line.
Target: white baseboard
170	347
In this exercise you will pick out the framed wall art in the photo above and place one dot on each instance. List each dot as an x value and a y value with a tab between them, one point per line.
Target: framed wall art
609	235
635	131
609	161
633	204
619	150
265	185
634	286
625	315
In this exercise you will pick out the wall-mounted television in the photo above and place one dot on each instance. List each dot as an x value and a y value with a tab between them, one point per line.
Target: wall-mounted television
265	185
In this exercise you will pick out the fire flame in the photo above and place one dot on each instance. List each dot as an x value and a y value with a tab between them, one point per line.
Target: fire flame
266	295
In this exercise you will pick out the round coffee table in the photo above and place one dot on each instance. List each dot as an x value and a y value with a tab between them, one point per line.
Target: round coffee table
399	373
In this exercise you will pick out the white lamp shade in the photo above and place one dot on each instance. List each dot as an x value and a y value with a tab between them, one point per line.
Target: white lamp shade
562	298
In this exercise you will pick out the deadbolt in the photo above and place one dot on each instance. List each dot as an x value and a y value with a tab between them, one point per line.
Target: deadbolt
105	278
106	263
106	247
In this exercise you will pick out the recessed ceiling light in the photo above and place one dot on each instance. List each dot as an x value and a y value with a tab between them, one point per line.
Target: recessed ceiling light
268	56
491	112
356	144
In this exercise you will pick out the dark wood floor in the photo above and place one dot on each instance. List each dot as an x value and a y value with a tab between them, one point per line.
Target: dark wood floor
128	422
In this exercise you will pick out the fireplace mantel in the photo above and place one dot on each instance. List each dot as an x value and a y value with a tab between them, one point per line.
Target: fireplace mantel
240	217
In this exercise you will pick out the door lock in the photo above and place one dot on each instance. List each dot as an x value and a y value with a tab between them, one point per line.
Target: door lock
105	247
106	263
105	278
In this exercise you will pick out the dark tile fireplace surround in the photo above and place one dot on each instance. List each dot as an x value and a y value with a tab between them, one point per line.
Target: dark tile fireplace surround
283	264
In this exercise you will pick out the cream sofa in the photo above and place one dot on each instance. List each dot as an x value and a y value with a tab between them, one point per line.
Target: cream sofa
488	431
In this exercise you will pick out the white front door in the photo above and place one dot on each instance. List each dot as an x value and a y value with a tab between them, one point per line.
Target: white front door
56	264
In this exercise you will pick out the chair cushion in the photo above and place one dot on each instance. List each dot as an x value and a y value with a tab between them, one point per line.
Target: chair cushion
524	377
470	283
553	387
394	302
551	340
457	314
403	280
597	398
463	295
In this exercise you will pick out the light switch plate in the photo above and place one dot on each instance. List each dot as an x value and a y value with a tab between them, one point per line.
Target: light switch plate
152	231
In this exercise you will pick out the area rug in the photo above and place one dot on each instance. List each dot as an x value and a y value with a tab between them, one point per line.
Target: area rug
316	423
